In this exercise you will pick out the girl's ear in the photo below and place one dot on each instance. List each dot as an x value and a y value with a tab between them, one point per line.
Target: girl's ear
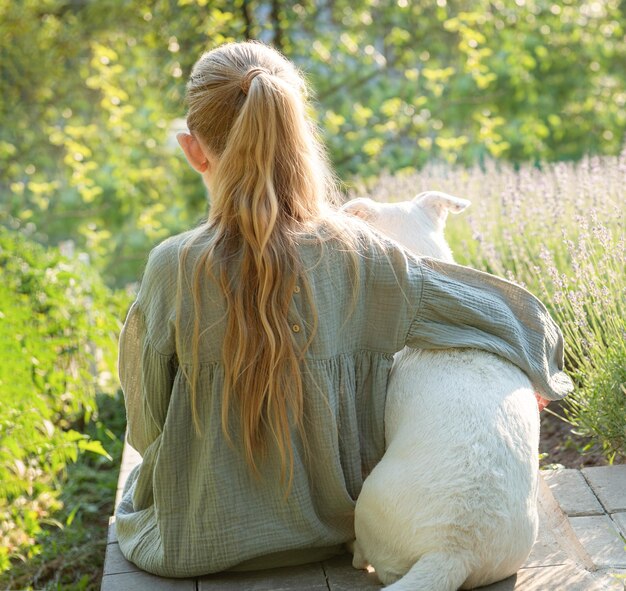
193	151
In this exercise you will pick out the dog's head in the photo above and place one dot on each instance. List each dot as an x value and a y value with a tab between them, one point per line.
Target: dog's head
417	224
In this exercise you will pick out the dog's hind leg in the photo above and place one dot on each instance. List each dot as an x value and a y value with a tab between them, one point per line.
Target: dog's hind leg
435	571
358	559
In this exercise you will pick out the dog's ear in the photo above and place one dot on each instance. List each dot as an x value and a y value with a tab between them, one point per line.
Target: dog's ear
438	204
362	207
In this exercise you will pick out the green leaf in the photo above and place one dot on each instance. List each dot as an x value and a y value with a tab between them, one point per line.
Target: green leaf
95	447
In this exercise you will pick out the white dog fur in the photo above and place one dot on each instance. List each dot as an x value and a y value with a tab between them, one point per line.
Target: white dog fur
452	504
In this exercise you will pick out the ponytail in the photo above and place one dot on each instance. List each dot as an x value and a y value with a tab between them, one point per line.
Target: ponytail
271	184
261	356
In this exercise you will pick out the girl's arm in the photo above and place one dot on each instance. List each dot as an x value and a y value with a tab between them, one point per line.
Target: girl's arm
462	307
147	377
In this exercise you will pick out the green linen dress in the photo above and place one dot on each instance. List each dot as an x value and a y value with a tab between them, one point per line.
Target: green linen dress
193	506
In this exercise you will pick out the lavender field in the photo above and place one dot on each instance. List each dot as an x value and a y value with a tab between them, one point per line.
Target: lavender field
559	231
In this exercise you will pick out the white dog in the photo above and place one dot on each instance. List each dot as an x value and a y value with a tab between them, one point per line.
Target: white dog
453	501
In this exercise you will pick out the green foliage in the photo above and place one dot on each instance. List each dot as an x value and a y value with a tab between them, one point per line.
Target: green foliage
465	81
559	231
589	299
92	90
58	334
71	553
84	128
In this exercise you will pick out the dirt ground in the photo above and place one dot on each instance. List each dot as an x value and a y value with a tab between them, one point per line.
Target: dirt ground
562	446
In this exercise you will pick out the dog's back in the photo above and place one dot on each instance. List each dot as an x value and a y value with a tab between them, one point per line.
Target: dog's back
453	501
458	480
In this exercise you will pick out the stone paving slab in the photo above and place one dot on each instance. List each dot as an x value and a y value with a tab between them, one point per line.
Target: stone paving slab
547	551
600	537
307	576
342	577
141	581
115	563
572	492
557	578
617	577
609	485
553	519
620	520
336	574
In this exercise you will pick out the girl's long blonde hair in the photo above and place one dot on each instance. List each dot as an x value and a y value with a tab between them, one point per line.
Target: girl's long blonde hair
248	105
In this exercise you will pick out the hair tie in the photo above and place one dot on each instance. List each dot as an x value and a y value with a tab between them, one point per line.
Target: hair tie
249	76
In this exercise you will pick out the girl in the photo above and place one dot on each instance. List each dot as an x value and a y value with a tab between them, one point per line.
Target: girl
255	359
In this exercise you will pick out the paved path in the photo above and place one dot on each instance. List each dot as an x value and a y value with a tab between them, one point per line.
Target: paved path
580	547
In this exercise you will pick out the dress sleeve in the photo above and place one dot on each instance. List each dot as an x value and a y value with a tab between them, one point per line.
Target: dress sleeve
147	377
462	307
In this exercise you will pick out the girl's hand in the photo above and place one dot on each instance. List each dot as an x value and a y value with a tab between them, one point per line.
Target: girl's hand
541	401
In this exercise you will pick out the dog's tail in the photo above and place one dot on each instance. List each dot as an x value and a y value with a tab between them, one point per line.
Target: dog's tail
435	571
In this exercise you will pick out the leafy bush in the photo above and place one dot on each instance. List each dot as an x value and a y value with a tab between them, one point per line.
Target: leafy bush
590	304
558	231
58	330
86	147
71	557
